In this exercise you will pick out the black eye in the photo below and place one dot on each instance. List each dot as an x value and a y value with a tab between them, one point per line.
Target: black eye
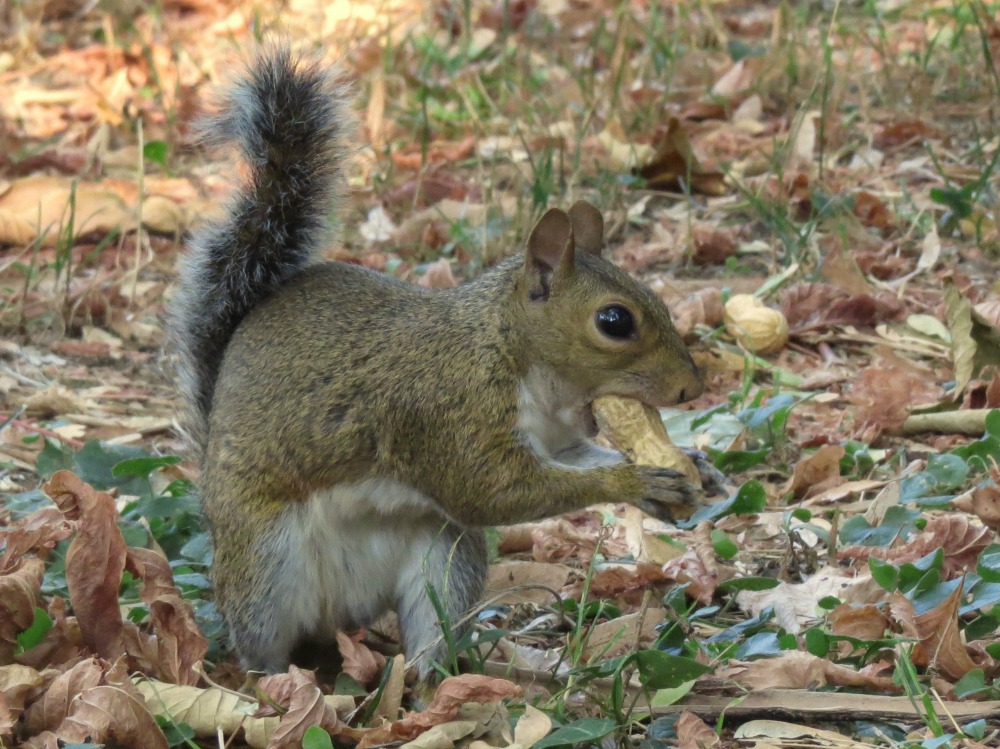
615	322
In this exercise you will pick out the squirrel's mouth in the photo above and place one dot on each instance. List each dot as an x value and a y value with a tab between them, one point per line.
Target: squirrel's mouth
589	420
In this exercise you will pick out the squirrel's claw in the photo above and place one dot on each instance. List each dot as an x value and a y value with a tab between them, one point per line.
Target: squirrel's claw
669	495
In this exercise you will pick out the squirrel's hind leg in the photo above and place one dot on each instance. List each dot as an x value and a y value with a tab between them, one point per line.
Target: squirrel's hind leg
453	565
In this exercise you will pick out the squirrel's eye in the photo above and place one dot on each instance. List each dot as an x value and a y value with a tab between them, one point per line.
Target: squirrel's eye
615	321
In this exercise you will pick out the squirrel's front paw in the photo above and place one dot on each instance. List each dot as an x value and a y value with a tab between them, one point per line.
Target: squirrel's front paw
668	494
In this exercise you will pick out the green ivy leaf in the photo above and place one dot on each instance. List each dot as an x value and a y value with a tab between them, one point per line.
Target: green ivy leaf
817	642
316	738
578	732
35	632
659	670
748	583
884	573
722	544
988	567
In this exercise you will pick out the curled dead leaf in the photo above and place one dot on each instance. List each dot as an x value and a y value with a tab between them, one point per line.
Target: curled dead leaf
961	541
983	502
48	713
942	640
674	165
451	694
107	714
704	307
694	733
20	593
95	561
304	707
796	669
815	473
360	662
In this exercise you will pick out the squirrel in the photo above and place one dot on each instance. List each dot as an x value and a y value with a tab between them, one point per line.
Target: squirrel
356	433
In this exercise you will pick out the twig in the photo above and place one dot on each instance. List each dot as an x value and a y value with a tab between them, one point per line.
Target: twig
28	426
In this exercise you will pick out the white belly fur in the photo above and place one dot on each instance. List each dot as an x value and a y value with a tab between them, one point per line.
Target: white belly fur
347	552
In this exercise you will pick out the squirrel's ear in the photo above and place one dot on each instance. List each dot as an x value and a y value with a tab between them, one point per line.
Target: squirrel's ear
588	227
550	248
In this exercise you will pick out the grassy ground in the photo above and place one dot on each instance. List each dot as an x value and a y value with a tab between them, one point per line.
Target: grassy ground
836	160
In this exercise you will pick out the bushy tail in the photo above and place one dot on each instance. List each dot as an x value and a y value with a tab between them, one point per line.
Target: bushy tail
291	123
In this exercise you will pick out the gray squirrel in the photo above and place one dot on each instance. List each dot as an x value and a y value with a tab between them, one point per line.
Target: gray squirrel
356	433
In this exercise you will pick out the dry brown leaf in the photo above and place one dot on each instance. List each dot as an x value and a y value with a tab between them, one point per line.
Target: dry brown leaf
438	152
18	685
674	165
20	593
48	713
939	634
37	533
520	537
795	669
698	567
438	276
712	245
95	561
209	710
694	733
305	707
737	79
983	502
815	473
904	132
961	541
55	400
392	694
541	581
704	307
622	634
646	547
865	622
360	662
451	694
872	211
795	604
108	714
885	396
817	306
180	643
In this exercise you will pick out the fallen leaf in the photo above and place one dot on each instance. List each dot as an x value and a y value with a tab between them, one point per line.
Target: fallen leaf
674	165
942	639
822	306
983	502
451	694
48	713
360	662
180	643
304	707
795	669
694	733
704	307
622	634
904	132
959	539
438	276
698	566
712	245
526	582
815	473
107	714
95	562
